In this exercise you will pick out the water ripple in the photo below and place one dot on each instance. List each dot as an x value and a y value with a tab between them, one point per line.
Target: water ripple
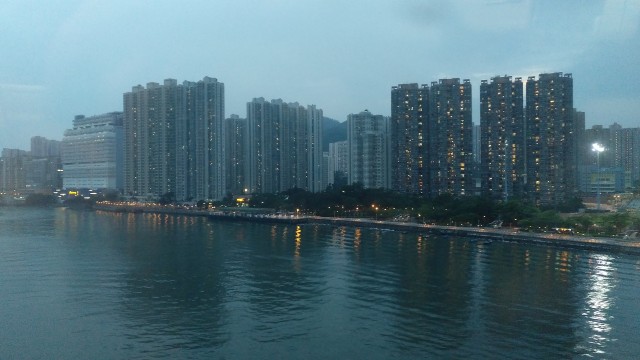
104	285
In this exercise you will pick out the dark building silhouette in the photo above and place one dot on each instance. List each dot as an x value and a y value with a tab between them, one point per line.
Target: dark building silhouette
449	138
551	161
502	137
236	136
408	138
283	147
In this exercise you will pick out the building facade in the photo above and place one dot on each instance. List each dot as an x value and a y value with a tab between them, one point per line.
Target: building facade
41	147
316	159
367	138
236	133
43	167
200	140
13	170
92	153
621	152
338	163
174	140
502	137
408	136
449	138
551	163
284	147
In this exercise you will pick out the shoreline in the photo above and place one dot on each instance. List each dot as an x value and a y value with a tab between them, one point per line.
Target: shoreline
627	246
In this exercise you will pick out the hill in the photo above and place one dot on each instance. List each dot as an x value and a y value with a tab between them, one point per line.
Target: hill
332	131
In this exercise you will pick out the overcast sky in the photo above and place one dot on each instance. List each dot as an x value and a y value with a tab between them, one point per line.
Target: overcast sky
62	58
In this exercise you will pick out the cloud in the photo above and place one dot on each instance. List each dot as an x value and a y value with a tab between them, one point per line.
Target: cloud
495	15
478	15
619	20
21	88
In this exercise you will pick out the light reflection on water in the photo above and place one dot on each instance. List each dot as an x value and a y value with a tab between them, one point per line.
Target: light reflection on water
105	285
598	303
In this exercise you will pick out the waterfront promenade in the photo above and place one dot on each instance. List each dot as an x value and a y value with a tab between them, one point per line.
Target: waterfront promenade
485	234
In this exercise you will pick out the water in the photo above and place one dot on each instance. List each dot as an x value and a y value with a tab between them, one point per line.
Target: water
102	286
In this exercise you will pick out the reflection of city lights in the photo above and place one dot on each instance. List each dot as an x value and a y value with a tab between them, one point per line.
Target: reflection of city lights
356	240
296	253
298	239
598	301
562	261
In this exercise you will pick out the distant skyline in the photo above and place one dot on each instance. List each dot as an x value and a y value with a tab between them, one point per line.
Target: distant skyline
64	58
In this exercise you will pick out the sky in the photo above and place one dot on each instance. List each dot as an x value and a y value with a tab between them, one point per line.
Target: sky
64	58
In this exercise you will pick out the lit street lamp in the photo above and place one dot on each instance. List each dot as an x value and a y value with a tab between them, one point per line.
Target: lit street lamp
598	149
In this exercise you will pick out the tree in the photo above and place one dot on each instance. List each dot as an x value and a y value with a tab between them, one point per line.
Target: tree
40	199
515	210
167	198
573	204
543	220
111	195
617	222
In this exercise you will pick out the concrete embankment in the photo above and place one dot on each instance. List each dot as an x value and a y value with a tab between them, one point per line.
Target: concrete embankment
150	209
629	246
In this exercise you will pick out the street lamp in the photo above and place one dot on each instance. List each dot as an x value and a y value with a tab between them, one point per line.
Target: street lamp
598	149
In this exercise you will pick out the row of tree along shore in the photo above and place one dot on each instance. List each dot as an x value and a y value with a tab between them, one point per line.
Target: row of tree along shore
486	235
354	201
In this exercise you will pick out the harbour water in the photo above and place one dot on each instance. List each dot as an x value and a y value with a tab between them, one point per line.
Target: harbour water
100	285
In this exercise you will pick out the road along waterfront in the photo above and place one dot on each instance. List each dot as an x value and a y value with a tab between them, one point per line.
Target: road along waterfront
629	246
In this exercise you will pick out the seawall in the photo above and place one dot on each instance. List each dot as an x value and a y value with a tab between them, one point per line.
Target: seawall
628	246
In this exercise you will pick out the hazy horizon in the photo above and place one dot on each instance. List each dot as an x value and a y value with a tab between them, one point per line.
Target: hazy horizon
79	57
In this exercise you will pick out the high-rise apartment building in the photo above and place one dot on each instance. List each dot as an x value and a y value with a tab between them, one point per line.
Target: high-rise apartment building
174	140
502	137
579	120
621	153
477	155
449	138
13	170
316	178
629	158
367	138
325	165
236	133
43	167
149	127
200	139
284	146
43	174
551	174
92	153
42	147
338	163
408	138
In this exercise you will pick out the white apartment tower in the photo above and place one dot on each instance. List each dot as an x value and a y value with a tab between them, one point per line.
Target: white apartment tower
367	136
283	147
338	163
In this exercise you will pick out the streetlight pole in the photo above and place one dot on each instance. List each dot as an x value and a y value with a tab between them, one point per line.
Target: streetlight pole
598	149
